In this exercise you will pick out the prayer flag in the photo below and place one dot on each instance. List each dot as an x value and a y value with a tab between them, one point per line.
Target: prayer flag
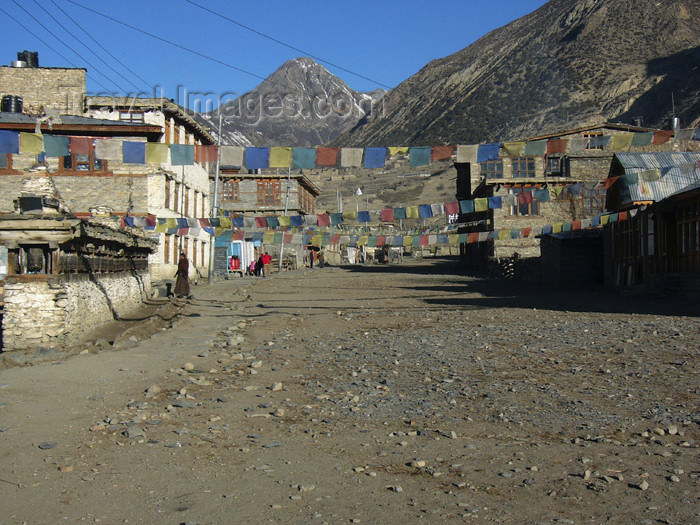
575	225
481	204
466	206
323	219
156	153
495	202
442	153
363	216
268	237
621	141
326	156
280	157
296	221
424	240
272	222
514	149
381	240
304	158
284	221
132	152
663	136
556	228
9	141
232	156
536	147
642	139
412	212
257	158
362	241
106	149
375	157
261	222
81	145
578	144
387	215
681	134
31	143
437	209
181	154
351	215
58	146
425	211
452	208
351	157
650	175
399	213
206	153
419	156
336	218
467	154
630	178
401	150
557	145
488	152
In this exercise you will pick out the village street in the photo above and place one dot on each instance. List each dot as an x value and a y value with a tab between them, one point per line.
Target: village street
377	394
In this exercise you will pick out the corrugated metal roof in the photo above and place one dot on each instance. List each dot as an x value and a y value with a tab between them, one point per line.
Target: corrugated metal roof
678	171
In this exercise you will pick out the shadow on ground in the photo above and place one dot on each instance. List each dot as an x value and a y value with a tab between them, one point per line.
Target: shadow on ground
464	291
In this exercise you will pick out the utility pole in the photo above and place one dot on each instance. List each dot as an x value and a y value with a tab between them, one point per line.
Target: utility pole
215	205
286	206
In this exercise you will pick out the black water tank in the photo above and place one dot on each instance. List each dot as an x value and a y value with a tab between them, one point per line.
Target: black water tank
30	57
11	104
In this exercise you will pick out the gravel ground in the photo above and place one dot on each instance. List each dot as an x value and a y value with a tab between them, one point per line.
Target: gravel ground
368	395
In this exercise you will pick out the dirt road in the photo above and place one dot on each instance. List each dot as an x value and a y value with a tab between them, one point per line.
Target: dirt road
367	395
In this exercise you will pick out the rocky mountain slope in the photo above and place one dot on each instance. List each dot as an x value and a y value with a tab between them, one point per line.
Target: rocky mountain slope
569	63
300	104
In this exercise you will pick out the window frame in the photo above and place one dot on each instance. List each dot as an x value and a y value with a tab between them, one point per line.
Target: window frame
517	210
491	169
269	192
529	167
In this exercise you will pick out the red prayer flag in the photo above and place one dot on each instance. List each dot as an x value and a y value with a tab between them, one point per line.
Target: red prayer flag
381	240
525	197
327	156
424	240
473	237
238	235
663	136
388	215
452	208
206	153
81	145
622	216
261	222
557	145
151	220
323	219
442	153
335	239
609	182
525	232
575	225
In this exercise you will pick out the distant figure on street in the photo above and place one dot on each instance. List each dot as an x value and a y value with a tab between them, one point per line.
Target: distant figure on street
266	259
182	283
259	266
251	268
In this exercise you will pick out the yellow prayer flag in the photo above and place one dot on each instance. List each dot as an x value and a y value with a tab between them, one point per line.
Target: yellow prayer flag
402	150
161	227
316	240
412	212
350	215
268	237
453	239
604	219
280	157
555	191
363	240
285	220
503	235
556	228
31	143
171	222
621	141
225	222
650	175
514	149
481	204
156	152
407	240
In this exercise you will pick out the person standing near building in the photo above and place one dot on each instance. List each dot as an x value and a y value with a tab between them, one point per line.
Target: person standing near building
266	259
182	282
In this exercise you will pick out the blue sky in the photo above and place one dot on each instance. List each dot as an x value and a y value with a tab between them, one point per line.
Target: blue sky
385	42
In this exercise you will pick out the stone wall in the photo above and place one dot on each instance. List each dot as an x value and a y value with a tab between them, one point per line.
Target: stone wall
51	88
59	311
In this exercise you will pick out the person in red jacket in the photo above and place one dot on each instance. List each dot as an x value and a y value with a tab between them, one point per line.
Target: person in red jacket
266	259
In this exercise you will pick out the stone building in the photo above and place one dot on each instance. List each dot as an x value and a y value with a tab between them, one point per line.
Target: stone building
571	164
64	276
55	89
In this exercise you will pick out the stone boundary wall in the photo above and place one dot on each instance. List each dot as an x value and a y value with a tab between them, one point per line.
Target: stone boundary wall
59	311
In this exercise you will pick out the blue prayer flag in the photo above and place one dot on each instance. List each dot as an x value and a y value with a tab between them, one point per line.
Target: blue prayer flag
9	142
257	158
425	211
487	152
134	152
297	221
495	202
375	157
363	216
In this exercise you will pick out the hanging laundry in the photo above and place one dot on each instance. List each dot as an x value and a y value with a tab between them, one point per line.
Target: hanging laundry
351	157
419	156
280	157
257	158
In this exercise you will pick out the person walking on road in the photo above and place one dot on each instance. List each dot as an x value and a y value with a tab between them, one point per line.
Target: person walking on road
182	282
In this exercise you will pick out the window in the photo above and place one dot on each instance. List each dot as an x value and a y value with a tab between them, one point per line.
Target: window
555	167
230	191
167	194
131	116
6	162
491	169
532	208
84	163
593	200
523	167
269	192
595	140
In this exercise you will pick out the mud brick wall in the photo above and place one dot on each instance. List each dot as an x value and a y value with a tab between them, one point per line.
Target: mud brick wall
56	312
52	88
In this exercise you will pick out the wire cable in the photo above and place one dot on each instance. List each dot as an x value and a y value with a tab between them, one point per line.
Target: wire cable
278	41
146	82
82	43
69	47
47	44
